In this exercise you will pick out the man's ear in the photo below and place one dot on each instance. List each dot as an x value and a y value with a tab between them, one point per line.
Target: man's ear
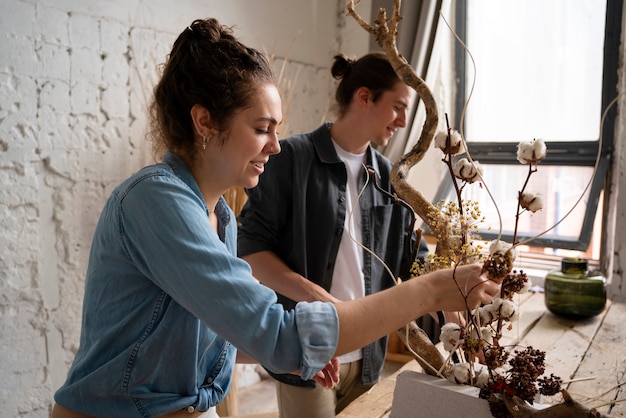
363	96
201	120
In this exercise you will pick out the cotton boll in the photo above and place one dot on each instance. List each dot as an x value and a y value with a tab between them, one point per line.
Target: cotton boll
482	376
468	171
450	336
441	139
513	251
485	335
531	152
456	141
461	372
505	309
508	310
486	314
531	201
455	144
497	246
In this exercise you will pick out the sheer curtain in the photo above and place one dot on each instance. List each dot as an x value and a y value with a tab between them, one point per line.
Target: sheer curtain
416	39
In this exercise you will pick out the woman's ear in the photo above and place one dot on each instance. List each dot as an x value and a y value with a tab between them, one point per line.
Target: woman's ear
201	120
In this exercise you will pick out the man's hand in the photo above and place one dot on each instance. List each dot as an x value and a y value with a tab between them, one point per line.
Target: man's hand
328	377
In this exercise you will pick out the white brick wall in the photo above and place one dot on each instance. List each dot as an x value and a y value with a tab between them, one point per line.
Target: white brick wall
75	81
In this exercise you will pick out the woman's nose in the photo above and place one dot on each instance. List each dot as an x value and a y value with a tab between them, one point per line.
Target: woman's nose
273	147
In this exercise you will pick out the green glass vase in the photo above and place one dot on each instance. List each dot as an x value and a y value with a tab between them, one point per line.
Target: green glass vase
574	291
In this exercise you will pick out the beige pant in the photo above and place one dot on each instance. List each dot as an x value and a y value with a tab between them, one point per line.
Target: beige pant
319	402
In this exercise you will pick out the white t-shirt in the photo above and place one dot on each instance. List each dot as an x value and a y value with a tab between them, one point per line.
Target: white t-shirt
348	282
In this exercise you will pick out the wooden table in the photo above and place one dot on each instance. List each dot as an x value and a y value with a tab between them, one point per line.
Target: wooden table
589	355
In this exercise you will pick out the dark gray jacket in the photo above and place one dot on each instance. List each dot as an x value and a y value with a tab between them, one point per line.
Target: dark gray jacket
298	211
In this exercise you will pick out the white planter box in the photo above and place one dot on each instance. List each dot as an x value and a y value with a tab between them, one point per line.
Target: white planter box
420	395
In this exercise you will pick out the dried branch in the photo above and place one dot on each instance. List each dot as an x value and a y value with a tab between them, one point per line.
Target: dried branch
422	348
384	31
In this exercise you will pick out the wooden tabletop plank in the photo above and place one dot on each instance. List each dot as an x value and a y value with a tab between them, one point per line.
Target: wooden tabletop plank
605	364
531	308
565	341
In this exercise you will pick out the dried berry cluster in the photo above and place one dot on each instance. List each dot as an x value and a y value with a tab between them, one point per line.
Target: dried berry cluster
522	379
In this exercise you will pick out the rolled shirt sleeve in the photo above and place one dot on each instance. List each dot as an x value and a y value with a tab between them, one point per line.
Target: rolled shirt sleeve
317	342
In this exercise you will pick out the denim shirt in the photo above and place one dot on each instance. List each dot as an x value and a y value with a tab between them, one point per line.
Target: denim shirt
298	210
165	297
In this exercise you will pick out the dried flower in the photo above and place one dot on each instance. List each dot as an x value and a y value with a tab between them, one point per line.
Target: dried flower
468	171
549	386
531	201
526	287
495	356
531	152
449	144
515	282
473	252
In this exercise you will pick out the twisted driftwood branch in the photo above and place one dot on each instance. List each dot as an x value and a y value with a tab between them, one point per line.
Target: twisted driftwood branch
385	36
422	348
569	408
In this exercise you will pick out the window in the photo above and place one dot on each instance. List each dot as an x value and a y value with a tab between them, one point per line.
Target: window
544	69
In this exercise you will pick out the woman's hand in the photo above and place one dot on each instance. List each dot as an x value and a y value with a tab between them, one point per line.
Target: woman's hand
461	288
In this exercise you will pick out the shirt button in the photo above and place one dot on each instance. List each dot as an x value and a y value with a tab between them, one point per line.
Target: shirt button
191	409
209	380
341	199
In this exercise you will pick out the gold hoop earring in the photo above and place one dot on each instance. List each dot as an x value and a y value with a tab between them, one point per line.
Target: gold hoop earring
204	142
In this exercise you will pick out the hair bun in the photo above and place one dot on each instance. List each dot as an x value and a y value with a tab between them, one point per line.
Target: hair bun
342	67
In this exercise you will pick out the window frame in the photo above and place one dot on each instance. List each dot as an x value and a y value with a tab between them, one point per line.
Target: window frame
571	153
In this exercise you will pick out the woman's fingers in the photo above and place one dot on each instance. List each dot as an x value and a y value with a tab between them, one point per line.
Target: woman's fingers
478	288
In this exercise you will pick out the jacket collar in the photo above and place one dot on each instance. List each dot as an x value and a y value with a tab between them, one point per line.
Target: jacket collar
326	151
